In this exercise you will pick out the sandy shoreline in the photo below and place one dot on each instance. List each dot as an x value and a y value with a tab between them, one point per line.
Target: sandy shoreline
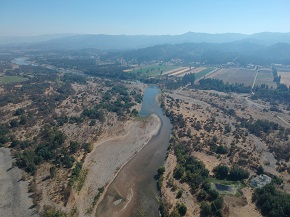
109	156
14	196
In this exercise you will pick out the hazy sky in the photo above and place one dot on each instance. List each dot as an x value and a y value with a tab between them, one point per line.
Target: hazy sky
36	17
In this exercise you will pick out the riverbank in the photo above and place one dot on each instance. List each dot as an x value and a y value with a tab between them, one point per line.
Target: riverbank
133	192
14	197
108	157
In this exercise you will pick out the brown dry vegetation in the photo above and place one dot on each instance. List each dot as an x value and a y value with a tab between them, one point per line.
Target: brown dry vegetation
210	120
39	108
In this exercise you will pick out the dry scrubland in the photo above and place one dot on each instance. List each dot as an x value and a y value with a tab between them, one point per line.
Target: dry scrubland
210	121
110	131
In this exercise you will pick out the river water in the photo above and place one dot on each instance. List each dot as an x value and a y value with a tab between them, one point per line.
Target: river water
25	61
134	191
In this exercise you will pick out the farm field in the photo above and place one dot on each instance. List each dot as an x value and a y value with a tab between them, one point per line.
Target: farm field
180	71
235	75
285	78
194	70
153	70
202	73
265	77
11	79
174	70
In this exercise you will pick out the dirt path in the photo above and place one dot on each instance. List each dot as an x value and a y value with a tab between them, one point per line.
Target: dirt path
282	119
178	95
255	80
109	156
14	197
250	102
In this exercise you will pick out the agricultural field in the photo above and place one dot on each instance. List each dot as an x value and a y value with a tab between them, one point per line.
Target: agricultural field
153	70
265	77
193	70
235	75
203	73
285	78
178	71
11	79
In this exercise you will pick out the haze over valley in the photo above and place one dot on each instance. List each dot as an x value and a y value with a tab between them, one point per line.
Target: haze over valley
144	109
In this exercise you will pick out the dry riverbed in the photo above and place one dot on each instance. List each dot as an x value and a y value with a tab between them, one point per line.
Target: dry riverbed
108	157
14	196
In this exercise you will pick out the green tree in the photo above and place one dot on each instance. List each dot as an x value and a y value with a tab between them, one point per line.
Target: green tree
182	209
205	209
221	171
189	78
74	146
238	174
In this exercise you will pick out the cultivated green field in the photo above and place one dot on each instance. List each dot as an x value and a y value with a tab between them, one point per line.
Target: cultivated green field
11	79
153	70
203	73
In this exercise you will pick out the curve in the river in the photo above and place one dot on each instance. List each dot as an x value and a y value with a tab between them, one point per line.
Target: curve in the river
134	192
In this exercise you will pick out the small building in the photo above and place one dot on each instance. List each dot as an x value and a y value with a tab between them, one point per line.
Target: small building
260	181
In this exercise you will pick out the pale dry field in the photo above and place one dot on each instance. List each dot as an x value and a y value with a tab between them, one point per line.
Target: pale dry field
285	78
185	70
235	75
174	70
265	77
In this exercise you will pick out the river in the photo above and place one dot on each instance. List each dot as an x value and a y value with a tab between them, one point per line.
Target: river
134	191
25	61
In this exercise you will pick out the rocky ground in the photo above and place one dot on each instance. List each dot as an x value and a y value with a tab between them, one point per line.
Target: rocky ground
14	196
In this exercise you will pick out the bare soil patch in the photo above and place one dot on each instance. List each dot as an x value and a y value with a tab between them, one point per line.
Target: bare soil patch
241	206
265	77
285	78
235	75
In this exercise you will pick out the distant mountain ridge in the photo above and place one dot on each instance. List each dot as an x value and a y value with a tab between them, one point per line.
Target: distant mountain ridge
241	52
125	42
30	39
